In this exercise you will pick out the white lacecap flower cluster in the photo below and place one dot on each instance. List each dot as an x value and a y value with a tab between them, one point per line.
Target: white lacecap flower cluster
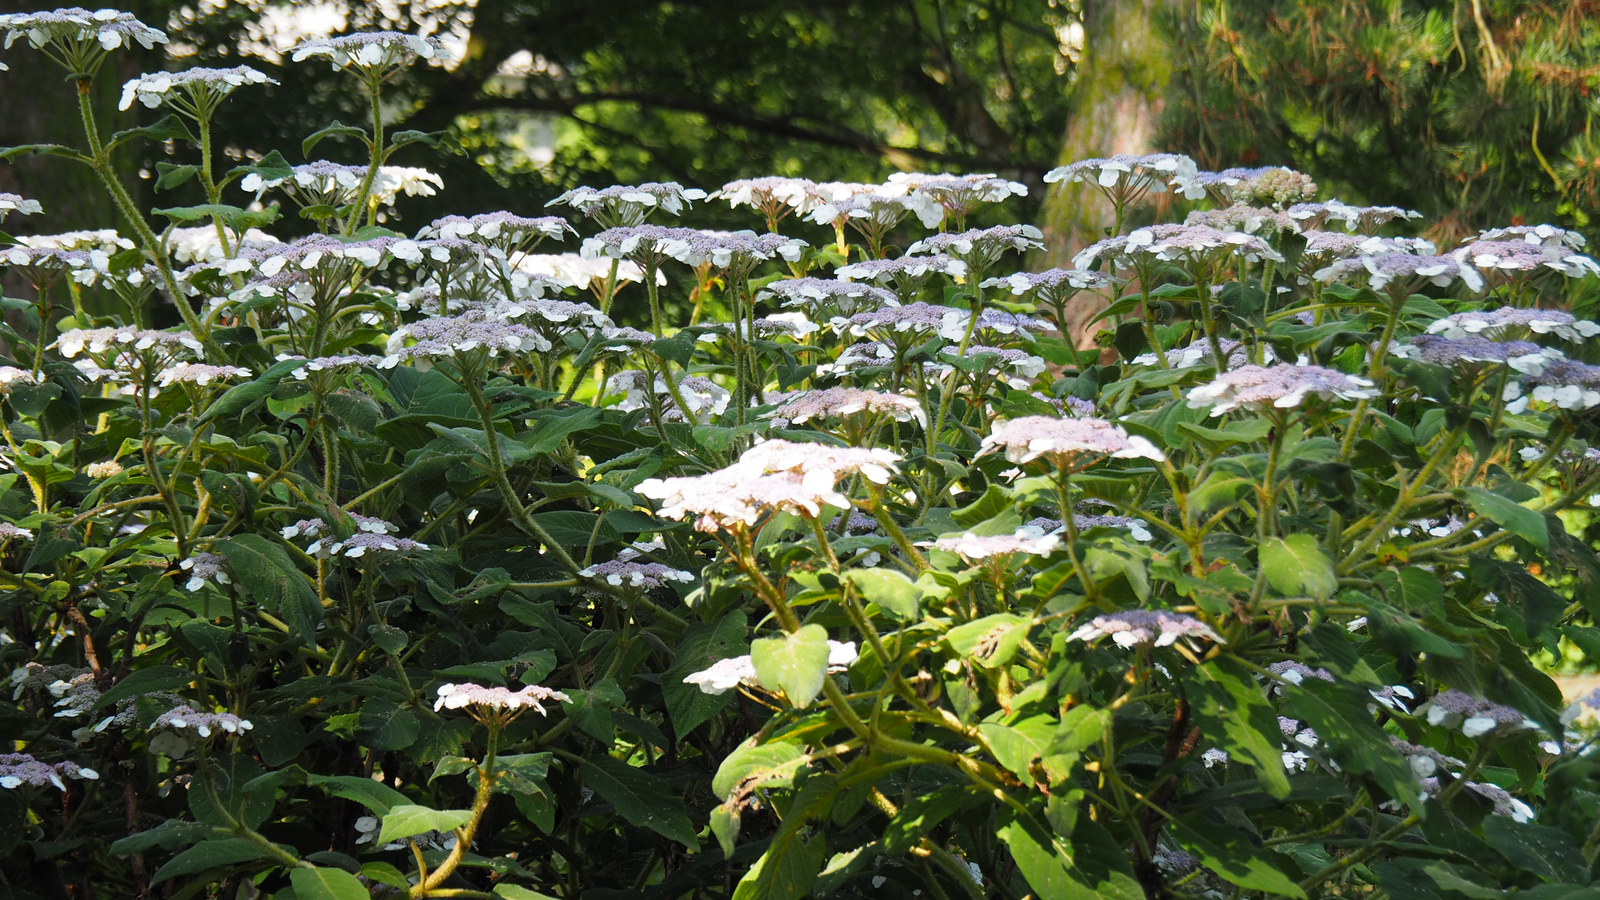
1240	217
1504	804
1403	269
1051	285
1506	321
1513	257
16	203
1066	442
1133	627
329	363
694	247
201	244
1085	521
500	699
1237	353
502	229
109	28
1521	356
981	247
18	769
830	295
932	197
450	336
1364	219
1032	541
204	568
1474	717
706	399
646	575
1297	739
186	718
1127	176
1275	186
372	535
626	205
913	268
1566	383
373	51
198	373
1295	672
1176	243
1017	368
1280	387
843	402
727	674
1543	235
197	86
581	271
335	184
10	531
770	477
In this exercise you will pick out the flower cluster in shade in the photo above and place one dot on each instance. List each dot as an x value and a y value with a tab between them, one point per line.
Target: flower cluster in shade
109	28
773	476
844	402
836	296
1133	627
1067	441
692	246
1172	243
632	572
1472	716
186	718
18	769
1281	387
1508	321
497	699
727	674
704	397
1521	356
1237	353
1124	174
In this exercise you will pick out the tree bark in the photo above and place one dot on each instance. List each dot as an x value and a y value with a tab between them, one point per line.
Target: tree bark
1117	104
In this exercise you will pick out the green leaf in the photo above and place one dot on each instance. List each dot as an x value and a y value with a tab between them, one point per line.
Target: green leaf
231	216
327	884
1296	566
761	763
795	663
272	167
265	570
1229	705
1232	855
1549	853
892	591
388	638
386	726
725	828
337	129
787	870
701	646
518	892
995	500
1094	868
406	820
167	128
374	795
10	154
208	855
1338	713
1016	746
1244	431
169	176
1510	515
990	641
643	799
240	398
919	815
384	873
143	681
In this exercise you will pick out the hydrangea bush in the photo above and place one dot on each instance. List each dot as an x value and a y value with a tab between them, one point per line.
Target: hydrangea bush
402	569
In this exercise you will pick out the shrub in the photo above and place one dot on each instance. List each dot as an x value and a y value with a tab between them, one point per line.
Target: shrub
391	571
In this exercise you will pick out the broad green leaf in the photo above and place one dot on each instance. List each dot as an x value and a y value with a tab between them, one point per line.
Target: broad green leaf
892	591
210	854
1296	566
1338	713
795	663
143	681
765	761
374	795
1232	855
388	638
787	870
1231	709
385	725
1549	853
995	500
240	398
1447	878
1510	515
919	815
232	216
327	884
384	873
265	570
1085	872
518	892
725	828
701	646
1017	746
641	798
990	641
403	821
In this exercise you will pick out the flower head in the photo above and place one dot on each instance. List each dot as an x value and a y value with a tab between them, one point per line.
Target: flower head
627	205
981	247
1051	285
1144	626
934	197
1522	356
1182	243
1543	235
1276	186
842	402
1030	541
1506	321
377	54
18	204
204	567
1126	178
204	724
18	769
84	36
646	575
363	543
911	269
1567	383
198	373
194	91
727	674
1454	709
499	699
10	531
831	295
1066	441
1406	270
1282	387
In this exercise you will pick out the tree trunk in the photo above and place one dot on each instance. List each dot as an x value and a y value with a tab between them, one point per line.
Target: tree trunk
1116	103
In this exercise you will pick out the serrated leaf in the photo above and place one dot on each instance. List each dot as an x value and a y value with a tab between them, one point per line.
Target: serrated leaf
795	663
408	820
206	855
231	216
337	129
892	591
641	798
754	760
265	570
167	128
1296	566
1232	855
1230	707
1338	713
787	870
238	399
374	795
1087	866
143	681
169	176
1510	515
